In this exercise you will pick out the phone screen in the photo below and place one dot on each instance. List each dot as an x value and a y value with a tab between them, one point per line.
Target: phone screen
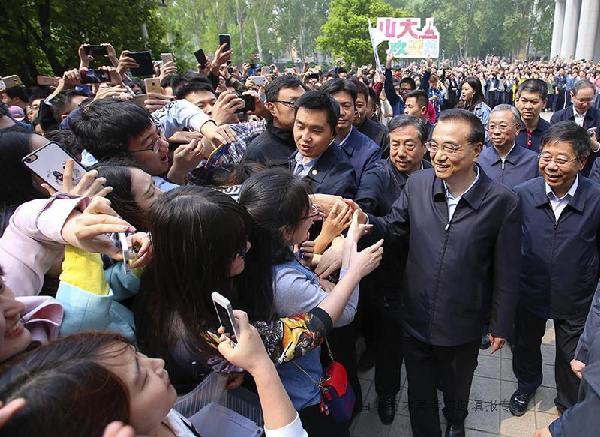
95	50
144	60
225	38
248	103
49	161
94	76
225	319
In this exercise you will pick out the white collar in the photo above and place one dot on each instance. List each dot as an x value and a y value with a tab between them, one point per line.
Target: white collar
576	114
449	195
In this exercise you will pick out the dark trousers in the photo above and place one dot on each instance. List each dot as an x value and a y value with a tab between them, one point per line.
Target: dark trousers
389	357
367	313
425	364
527	354
343	344
317	424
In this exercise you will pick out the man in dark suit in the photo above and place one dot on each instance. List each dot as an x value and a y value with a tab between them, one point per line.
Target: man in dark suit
373	129
462	232
379	305
584	115
318	157
531	101
276	144
361	151
560	261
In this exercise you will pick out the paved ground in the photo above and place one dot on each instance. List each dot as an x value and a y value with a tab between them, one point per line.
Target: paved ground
493	384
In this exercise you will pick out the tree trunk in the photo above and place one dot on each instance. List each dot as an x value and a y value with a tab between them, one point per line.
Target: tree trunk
240	21
258	46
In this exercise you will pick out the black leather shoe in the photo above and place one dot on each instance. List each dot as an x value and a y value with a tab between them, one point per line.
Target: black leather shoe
518	402
455	430
386	408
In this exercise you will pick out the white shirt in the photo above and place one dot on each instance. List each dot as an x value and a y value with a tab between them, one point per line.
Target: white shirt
558	204
453	200
578	118
303	167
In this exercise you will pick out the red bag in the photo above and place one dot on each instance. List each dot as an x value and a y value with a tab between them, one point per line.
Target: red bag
337	396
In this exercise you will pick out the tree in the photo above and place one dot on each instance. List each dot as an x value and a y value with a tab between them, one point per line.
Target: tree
346	34
43	36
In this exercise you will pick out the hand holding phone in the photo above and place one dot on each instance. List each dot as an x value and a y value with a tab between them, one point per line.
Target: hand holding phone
225	38
225	314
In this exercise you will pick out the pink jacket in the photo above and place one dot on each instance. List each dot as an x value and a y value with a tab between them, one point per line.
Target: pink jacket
32	242
43	316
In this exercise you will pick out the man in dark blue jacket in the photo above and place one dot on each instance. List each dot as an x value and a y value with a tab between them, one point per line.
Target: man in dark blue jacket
462	232
379	304
560	262
318	157
584	115
532	96
362	152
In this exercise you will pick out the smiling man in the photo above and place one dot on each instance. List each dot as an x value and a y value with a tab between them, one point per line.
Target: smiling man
318	158
560	259
461	232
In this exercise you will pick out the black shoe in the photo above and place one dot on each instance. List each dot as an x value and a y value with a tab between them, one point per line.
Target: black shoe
386	408
518	402
366	361
485	342
455	430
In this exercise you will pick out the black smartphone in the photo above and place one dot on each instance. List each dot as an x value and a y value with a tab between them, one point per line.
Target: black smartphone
93	76
248	102
201	57
225	38
95	50
144	60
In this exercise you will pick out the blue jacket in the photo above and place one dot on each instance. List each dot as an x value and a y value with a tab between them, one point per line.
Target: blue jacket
560	260
536	136
362	152
519	166
332	173
460	273
591	119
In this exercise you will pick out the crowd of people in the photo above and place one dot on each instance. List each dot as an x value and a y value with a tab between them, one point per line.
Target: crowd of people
428	209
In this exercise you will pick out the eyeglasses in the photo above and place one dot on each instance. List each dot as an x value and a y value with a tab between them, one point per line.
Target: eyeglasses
155	146
547	158
313	213
287	103
448	149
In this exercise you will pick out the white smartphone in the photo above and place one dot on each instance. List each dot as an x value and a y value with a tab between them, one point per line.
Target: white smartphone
225	314
48	162
166	57
258	80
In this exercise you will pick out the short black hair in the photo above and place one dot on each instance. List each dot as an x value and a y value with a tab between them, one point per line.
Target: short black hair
193	87
321	101
569	132
401	121
173	81
361	87
286	81
476	129
534	86
17	91
420	96
67	139
340	85
105	127
410	81
62	101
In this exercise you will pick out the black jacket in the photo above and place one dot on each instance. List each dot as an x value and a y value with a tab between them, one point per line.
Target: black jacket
332	173
380	188
460	271
376	131
560	262
272	148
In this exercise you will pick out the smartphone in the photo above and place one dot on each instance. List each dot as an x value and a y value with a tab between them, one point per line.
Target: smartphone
248	102
201	57
95	50
152	85
48	162
225	314
12	81
139	99
47	81
93	76
225	38
128	252
166	57
144	61
258	80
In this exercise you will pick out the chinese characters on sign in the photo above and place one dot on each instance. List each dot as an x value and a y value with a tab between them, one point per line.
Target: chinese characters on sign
408	39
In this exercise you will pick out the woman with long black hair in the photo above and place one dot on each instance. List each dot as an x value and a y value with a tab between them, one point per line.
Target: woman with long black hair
473	100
